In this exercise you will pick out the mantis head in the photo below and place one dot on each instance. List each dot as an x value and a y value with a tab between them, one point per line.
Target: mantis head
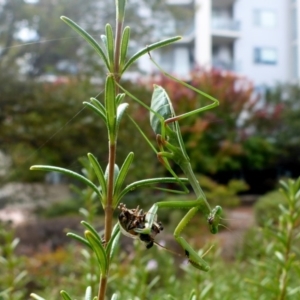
214	219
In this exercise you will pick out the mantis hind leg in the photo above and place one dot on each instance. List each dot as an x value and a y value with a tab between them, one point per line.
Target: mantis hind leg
193	257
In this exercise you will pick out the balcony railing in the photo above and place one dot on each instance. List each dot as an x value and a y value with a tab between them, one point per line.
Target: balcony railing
233	66
180	2
225	24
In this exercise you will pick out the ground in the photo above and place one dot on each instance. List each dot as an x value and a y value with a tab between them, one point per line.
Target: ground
18	201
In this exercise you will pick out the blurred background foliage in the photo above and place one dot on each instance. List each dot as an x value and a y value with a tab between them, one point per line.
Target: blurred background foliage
252	273
48	69
35	42
243	146
238	140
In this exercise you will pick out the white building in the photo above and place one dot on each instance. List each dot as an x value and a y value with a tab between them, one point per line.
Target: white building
255	38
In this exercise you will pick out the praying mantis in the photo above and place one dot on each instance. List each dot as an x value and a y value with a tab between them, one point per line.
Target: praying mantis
165	125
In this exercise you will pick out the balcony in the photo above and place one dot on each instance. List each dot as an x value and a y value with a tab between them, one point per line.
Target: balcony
228	65
225	24
222	3
180	2
225	29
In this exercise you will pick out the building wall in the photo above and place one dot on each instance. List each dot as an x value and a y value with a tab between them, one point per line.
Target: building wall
294	13
258	30
258	39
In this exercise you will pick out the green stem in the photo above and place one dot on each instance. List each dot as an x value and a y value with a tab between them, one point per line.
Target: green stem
110	188
108	210
188	171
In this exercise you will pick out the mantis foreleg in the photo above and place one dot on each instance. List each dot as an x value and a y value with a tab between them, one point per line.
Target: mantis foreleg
193	206
164	123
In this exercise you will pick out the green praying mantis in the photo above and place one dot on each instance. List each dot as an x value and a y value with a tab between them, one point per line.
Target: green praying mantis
165	125
164	122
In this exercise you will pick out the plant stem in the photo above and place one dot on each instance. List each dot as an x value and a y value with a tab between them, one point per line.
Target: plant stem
108	210
102	288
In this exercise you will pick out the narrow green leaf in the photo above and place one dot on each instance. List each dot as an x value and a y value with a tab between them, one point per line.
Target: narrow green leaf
99	173
15	243
92	229
192	295
120	6
111	245
110	45
153	282
6	292
206	290
149	183
124	46
65	295
88	38
69	173
98	104
99	251
283	209
297	184
120	98
104	40
284	185
122	175
20	276
3	261
294	291
114	297
79	239
35	296
88	293
84	212
96	110
280	256
148	49
110	105
297	236
120	112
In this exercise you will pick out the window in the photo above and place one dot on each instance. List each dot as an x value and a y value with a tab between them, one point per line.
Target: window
266	56
264	18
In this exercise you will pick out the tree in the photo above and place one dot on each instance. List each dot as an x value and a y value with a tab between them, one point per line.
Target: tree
284	100
52	47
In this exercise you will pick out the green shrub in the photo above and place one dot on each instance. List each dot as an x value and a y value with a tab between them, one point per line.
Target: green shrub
224	195
267	210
